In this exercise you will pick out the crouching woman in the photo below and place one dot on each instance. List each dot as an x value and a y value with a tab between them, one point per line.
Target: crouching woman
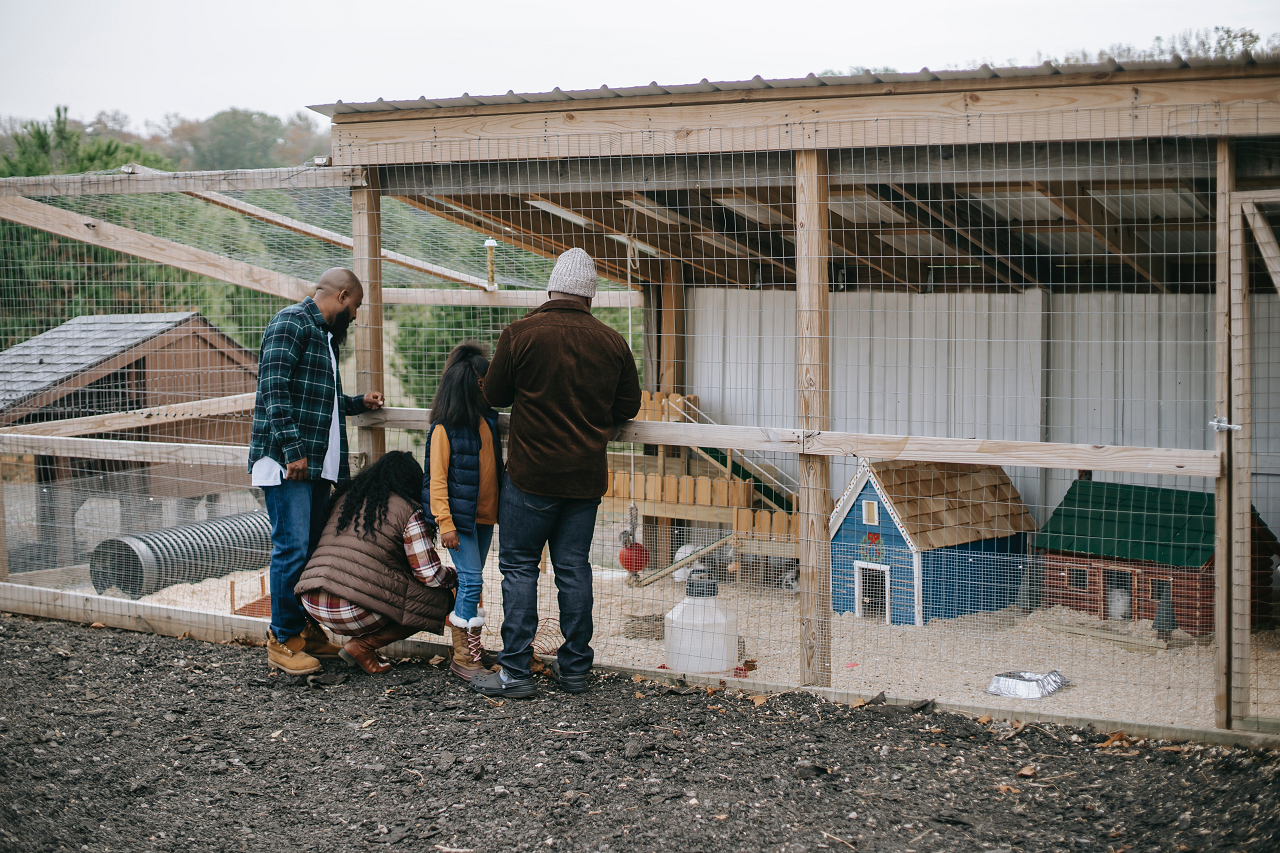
374	576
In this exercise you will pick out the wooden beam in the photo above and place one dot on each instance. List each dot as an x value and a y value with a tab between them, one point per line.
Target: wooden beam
143	180
1241	471
1222	410
969	220
133	451
127	241
500	298
728	243
152	416
1122	240
366	257
897	197
813	381
862	118
1265	238
671	331
865	246
333	238
976	451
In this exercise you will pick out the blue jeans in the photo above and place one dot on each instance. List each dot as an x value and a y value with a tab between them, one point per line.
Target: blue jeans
473	550
528	523
297	512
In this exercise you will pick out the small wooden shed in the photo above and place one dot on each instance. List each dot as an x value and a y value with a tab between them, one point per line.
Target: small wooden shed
176	372
943	540
1148	542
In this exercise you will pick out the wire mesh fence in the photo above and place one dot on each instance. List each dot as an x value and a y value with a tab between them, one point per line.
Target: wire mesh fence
970	313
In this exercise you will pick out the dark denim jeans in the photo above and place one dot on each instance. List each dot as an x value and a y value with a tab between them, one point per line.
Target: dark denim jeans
297	512
526	523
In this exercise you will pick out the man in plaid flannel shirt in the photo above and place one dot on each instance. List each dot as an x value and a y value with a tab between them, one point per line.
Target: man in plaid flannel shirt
298	451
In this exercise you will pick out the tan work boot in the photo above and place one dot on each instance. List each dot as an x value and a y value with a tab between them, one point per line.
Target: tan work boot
465	634
318	644
289	657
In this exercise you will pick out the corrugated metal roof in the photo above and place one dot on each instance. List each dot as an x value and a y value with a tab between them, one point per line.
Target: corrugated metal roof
924	75
40	363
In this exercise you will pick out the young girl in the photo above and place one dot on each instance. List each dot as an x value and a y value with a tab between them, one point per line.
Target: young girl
374	576
463	474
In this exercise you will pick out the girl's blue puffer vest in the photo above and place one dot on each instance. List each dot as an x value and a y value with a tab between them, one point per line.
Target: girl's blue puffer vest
464	472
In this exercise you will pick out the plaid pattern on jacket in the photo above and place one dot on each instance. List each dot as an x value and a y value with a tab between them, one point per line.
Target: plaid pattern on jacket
294	406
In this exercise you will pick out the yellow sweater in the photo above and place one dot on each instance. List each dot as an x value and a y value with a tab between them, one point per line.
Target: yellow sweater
487	506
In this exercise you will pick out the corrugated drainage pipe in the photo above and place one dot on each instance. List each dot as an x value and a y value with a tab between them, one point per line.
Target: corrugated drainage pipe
140	564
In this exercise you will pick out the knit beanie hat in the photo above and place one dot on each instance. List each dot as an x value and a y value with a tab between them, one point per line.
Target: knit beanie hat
575	272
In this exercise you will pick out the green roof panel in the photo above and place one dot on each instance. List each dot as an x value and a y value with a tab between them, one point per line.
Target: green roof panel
1124	522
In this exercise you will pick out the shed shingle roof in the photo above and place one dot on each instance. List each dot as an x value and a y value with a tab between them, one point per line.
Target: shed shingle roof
40	363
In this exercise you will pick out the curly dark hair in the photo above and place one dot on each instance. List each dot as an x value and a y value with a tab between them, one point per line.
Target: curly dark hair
397	472
459	402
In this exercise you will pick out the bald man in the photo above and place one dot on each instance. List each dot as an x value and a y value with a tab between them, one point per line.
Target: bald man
298	451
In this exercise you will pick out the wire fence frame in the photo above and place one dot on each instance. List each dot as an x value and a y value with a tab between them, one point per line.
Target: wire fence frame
812	441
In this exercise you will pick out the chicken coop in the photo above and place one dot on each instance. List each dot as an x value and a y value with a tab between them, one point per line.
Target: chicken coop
934	541
119	377
1004	276
1149	544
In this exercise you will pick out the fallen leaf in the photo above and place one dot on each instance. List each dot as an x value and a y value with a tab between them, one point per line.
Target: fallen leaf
1115	739
368	723
720	816
1028	772
436	660
98	625
639	695
277	733
759	700
637	678
857	703
1008	789
1170	749
984	719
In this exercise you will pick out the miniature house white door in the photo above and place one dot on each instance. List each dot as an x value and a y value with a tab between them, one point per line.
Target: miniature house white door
860	571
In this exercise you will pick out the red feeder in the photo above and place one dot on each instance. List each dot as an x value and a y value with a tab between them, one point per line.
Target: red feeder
634	557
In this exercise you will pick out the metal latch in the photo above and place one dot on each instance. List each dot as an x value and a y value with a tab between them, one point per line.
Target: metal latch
1220	424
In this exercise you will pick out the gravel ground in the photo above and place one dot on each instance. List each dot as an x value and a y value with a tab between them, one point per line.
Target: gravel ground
112	740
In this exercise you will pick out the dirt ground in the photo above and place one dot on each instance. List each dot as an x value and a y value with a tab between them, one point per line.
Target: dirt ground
111	740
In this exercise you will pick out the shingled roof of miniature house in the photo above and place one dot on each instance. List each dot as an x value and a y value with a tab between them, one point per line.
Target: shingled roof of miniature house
940	504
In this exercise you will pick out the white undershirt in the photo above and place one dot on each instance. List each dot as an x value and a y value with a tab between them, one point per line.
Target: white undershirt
267	471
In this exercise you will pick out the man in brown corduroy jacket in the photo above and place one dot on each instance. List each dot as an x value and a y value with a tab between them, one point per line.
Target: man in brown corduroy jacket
570	380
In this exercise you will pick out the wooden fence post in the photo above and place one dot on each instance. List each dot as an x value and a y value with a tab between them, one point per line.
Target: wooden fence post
813	367
1222	440
366	257
1241	587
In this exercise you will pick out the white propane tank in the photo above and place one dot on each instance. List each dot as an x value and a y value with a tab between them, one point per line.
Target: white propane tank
701	636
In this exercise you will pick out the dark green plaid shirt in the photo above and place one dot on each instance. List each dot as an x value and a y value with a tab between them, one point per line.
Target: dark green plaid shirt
294	407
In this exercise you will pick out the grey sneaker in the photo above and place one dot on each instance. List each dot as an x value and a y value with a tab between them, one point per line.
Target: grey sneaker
500	684
570	683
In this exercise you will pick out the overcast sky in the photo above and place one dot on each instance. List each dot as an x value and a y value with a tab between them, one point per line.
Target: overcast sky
150	59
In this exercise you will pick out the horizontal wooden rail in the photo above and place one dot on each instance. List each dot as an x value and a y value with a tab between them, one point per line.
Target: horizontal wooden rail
147	181
118	421
500	298
1256	196
1033	454
133	451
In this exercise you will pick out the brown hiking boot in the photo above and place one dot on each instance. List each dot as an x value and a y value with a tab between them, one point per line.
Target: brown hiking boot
318	644
289	657
363	651
466	646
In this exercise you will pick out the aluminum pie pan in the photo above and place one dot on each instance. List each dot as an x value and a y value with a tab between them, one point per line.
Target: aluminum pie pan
1026	685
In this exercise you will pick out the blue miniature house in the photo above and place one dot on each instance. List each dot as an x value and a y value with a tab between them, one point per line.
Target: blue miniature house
915	541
